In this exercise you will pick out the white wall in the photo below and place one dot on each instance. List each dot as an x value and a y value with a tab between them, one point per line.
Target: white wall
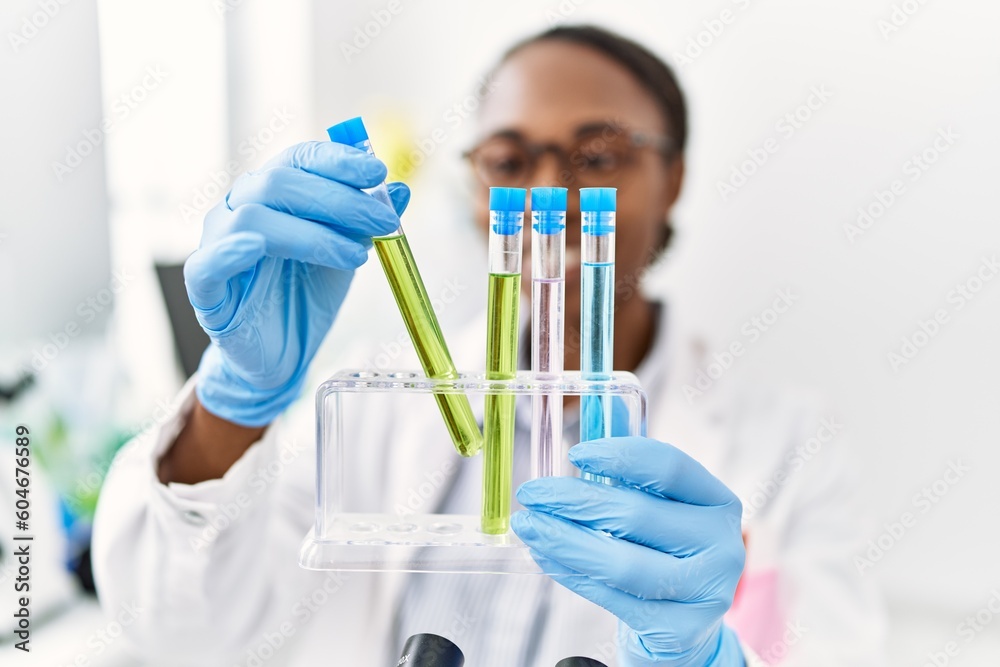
54	247
166	167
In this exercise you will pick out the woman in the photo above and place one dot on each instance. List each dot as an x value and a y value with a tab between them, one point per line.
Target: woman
661	555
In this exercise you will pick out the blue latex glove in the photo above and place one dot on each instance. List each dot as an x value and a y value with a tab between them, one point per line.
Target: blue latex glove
274	264
663	551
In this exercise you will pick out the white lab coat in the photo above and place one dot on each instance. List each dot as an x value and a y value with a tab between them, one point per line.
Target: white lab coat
236	596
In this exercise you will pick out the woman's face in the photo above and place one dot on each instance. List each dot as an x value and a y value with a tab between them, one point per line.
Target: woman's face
547	94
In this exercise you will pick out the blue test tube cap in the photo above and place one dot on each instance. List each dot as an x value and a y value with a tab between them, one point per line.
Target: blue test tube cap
548	199
598	200
351	132
548	208
507	199
507	210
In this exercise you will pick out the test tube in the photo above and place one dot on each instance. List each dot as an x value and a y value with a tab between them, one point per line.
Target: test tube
506	223
548	292
415	306
597	308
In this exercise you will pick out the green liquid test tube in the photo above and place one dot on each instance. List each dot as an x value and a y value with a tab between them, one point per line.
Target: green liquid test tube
506	224
415	307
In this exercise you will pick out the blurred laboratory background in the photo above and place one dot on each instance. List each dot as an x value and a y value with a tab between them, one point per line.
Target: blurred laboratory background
843	152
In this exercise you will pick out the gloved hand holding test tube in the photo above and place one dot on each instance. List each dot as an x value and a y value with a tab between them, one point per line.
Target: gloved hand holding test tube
415	306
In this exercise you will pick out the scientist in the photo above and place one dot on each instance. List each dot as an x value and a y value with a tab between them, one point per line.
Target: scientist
188	530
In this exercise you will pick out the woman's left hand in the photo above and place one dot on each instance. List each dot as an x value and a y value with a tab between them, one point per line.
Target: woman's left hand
662	551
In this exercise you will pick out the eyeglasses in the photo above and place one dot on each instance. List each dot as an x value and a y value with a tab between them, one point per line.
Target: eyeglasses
596	157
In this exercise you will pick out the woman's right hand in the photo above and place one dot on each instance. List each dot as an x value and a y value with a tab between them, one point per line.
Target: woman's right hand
274	264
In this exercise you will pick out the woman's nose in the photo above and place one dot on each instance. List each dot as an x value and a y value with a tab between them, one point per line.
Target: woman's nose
549	172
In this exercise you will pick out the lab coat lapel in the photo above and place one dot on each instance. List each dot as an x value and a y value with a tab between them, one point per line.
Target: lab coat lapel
694	426
422	469
418	458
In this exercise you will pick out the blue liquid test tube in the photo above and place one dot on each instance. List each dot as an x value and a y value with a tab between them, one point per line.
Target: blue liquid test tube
597	308
548	295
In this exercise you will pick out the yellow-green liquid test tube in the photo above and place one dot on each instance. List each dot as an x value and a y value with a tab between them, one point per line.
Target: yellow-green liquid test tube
416	309
506	224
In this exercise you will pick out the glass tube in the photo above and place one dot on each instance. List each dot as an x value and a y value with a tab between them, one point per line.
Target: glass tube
597	285
415	307
506	223
548	293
